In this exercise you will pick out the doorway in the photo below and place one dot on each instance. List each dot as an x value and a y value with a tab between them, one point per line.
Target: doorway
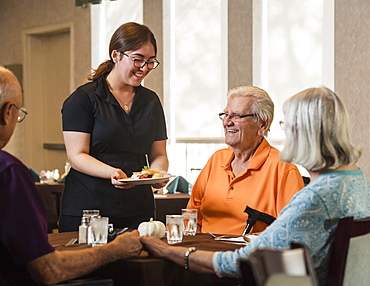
47	81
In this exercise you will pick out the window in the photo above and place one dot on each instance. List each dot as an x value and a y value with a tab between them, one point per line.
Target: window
195	41
293	50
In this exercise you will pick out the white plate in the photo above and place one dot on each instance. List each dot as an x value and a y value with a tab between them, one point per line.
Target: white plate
148	181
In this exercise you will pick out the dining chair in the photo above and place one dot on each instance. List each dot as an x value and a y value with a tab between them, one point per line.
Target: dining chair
350	258
87	282
268	267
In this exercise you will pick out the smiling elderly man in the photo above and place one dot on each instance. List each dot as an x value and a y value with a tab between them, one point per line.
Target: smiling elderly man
249	173
26	257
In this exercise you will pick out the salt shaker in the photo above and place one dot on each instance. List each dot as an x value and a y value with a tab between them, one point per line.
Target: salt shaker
84	231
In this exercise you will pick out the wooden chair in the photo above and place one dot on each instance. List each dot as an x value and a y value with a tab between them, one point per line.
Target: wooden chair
350	258
266	267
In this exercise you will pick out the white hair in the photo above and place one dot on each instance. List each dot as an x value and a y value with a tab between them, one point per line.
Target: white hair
262	104
9	86
317	131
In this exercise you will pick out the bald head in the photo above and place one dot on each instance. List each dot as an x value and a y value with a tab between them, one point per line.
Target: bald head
10	97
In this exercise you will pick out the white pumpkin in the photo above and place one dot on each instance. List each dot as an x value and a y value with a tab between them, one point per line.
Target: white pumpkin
152	228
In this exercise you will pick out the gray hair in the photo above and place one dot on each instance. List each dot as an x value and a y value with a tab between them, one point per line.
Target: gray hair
262	104
317	131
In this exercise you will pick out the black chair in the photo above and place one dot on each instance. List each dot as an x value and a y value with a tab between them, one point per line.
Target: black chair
350	258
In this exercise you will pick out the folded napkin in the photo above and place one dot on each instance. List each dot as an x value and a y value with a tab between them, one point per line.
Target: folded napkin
35	175
179	184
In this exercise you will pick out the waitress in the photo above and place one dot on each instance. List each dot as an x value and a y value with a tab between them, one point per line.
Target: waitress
109	125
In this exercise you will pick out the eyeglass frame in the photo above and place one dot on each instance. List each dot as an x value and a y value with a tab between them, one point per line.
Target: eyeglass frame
238	116
143	61
281	123
22	113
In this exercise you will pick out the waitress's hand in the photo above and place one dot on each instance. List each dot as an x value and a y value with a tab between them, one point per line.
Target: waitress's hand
162	185
119	174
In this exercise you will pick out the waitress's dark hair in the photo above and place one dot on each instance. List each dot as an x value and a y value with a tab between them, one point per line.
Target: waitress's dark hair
128	37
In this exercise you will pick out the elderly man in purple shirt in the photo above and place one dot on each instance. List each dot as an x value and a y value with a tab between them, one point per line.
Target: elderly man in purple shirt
26	257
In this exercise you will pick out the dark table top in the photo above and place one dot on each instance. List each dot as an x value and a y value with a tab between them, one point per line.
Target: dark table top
201	241
147	270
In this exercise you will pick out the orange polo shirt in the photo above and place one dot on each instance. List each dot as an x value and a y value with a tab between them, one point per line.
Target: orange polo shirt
267	185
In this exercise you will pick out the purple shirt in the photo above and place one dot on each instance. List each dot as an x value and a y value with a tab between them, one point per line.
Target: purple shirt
23	226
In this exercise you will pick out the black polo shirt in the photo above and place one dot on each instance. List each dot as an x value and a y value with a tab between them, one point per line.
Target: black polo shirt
118	139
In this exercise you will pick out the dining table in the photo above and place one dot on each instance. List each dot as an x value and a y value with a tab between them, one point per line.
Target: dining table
147	270
51	195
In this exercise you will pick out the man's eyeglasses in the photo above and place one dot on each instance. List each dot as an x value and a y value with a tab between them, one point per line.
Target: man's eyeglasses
234	117
22	113
139	63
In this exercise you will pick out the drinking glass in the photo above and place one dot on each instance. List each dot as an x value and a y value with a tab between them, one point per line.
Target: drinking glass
99	230
190	221
90	213
175	228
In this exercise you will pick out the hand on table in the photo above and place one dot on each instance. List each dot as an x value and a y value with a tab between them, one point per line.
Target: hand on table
129	244
154	245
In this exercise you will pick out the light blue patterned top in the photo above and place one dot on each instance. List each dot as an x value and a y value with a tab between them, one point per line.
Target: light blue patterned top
311	218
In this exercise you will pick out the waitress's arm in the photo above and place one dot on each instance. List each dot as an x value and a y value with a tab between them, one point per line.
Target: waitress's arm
158	157
159	161
78	148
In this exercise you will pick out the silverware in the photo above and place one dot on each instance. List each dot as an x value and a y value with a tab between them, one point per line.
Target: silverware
211	234
147	161
70	242
246	238
122	230
220	237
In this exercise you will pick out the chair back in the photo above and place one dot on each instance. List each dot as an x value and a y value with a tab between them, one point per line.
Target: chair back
350	258
267	267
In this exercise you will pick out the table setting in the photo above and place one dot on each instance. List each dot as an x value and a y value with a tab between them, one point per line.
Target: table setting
145	268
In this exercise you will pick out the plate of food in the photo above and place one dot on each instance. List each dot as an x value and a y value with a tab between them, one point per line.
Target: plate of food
146	177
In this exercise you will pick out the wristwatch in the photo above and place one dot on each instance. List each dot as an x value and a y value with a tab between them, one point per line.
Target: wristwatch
187	254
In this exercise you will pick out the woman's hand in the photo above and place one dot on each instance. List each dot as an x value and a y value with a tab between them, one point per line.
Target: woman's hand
162	185
119	174
155	246
201	261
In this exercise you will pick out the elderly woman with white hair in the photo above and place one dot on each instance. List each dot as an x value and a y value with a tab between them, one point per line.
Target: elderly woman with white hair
248	173
317	137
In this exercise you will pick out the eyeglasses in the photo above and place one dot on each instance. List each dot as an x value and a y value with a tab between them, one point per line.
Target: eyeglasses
22	113
235	116
139	63
281	122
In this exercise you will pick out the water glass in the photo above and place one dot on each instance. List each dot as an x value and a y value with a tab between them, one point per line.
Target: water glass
175	228
190	221
99	230
90	213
